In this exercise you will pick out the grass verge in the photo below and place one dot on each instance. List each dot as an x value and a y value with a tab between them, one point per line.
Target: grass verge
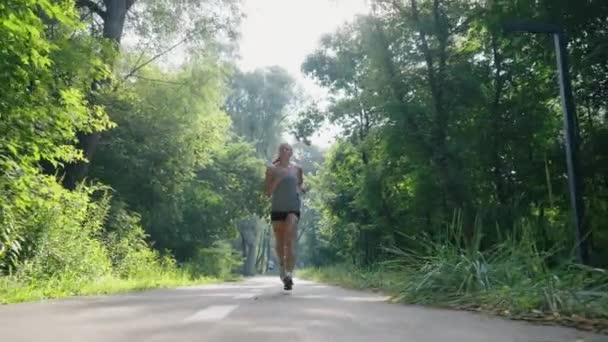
351	277
17	291
543	302
511	278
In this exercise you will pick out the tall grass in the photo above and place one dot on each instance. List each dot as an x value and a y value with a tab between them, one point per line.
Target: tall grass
378	278
512	277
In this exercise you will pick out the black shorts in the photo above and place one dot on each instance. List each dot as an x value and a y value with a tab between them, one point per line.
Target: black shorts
282	215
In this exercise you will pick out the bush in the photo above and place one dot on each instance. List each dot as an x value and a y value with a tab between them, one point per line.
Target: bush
57	230
64	243
125	241
220	261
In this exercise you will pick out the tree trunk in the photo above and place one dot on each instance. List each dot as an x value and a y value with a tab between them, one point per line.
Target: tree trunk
250	260
249	238
261	262
113	17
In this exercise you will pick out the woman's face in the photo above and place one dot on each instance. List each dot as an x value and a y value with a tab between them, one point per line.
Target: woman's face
285	152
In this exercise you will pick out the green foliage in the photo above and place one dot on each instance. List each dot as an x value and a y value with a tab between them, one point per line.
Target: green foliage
13	290
513	278
167	160
46	70
171	159
87	247
55	242
42	102
513	275
219	260
258	104
202	26
375	278
66	243
215	199
125	240
443	112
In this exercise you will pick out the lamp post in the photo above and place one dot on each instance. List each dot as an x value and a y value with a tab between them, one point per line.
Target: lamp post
575	184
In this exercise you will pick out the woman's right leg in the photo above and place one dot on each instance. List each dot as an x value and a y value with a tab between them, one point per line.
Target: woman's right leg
278	228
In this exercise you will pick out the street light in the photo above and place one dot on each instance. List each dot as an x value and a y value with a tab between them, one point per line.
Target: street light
572	144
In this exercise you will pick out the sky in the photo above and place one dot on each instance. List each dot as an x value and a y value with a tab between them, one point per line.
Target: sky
284	32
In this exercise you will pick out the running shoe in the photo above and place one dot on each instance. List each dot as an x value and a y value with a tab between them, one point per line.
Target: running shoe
288	282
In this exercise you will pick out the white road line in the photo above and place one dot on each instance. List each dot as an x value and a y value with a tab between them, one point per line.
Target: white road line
223	294
311	296
212	313
224	287
245	296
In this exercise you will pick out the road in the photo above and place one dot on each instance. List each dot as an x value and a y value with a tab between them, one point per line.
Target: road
258	310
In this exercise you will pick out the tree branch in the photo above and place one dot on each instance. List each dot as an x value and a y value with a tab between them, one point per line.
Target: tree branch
281	119
301	233
141	55
92	6
159	80
137	68
399	7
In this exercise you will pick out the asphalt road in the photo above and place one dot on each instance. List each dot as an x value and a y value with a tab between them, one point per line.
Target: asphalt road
258	310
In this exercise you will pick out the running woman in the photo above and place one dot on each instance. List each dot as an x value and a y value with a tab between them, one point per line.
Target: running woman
284	184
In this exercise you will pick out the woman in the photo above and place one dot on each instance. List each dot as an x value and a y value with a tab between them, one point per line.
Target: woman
284	183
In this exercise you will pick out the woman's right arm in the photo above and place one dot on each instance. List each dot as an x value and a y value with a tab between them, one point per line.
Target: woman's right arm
268	182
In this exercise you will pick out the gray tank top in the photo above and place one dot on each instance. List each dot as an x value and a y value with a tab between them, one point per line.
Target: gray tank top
285	196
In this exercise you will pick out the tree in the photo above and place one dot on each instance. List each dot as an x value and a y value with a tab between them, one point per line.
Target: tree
462	120
156	19
166	133
340	65
259	105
